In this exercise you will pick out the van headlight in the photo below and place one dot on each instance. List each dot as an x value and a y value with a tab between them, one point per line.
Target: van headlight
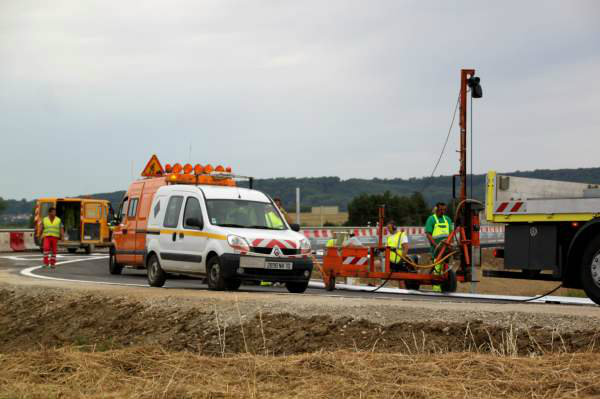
238	243
304	246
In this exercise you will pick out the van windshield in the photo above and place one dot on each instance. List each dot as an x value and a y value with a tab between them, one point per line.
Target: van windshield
244	214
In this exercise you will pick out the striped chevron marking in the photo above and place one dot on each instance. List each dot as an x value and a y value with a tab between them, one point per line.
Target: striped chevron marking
267	243
355	260
511	207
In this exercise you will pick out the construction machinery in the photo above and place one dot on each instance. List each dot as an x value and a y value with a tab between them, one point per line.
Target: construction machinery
374	261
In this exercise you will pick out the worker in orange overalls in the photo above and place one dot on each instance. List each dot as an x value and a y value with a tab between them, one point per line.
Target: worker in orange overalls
52	231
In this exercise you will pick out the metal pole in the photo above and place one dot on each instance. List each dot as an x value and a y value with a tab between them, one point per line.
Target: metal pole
298	205
465	214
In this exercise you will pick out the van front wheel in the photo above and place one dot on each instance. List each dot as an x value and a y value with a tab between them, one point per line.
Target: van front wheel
156	275
215	274
297	287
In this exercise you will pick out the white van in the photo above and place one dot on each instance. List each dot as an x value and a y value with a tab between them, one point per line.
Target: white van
228	234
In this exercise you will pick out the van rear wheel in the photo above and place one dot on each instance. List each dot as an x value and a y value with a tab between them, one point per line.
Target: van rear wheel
114	267
72	250
156	275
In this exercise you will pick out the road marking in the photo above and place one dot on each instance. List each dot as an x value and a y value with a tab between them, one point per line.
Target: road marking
29	273
40	256
319	284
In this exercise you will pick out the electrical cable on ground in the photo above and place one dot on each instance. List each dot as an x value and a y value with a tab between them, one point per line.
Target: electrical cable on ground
541	296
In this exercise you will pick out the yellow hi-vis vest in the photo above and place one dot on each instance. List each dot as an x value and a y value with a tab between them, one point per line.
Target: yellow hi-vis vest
331	243
51	228
394	242
274	220
441	229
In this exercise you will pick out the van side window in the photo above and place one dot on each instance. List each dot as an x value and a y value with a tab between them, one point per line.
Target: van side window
192	210
173	211
123	209
132	207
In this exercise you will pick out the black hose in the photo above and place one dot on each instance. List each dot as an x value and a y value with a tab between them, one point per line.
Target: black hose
540	296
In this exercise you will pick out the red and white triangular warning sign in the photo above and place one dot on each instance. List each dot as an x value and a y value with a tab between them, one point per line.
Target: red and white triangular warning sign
153	168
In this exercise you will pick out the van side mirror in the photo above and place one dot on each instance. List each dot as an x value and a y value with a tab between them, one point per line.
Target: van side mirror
295	227
194	222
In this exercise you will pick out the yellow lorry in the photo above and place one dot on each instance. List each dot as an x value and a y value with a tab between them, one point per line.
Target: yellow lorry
86	222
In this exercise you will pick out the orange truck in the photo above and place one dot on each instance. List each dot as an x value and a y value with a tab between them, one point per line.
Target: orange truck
86	222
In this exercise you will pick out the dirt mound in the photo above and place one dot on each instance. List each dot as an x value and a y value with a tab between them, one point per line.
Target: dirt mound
94	322
147	373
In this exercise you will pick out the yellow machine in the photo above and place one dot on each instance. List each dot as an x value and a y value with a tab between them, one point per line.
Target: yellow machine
85	221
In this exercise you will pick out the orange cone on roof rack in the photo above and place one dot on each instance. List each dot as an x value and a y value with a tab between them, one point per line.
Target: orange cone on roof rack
187	174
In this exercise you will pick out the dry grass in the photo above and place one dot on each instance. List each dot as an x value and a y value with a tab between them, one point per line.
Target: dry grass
145	373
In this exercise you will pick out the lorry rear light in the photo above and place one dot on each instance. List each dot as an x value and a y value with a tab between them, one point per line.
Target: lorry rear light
575	224
498	253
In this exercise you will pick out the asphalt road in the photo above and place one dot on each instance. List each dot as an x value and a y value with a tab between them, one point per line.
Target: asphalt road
94	268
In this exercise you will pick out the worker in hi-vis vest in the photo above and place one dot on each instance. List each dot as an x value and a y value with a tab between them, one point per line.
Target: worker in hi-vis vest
52	231
437	229
398	243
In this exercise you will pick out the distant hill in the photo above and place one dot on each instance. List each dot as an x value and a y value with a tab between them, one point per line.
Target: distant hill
334	191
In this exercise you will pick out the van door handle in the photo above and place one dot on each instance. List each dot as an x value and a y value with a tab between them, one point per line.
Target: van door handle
174	236
181	235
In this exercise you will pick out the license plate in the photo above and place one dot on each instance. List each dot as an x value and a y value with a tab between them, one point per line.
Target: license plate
279	265
252	262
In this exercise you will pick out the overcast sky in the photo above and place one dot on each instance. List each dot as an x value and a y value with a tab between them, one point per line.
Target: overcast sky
89	90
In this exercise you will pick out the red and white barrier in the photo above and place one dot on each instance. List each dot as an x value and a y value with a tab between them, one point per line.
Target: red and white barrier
316	232
17	241
5	242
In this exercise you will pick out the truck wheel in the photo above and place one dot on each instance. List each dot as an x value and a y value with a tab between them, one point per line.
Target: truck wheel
89	249
297	287
590	270
114	267
72	250
214	274
412	285
449	285
156	275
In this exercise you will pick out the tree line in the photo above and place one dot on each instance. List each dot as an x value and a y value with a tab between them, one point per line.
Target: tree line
404	210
